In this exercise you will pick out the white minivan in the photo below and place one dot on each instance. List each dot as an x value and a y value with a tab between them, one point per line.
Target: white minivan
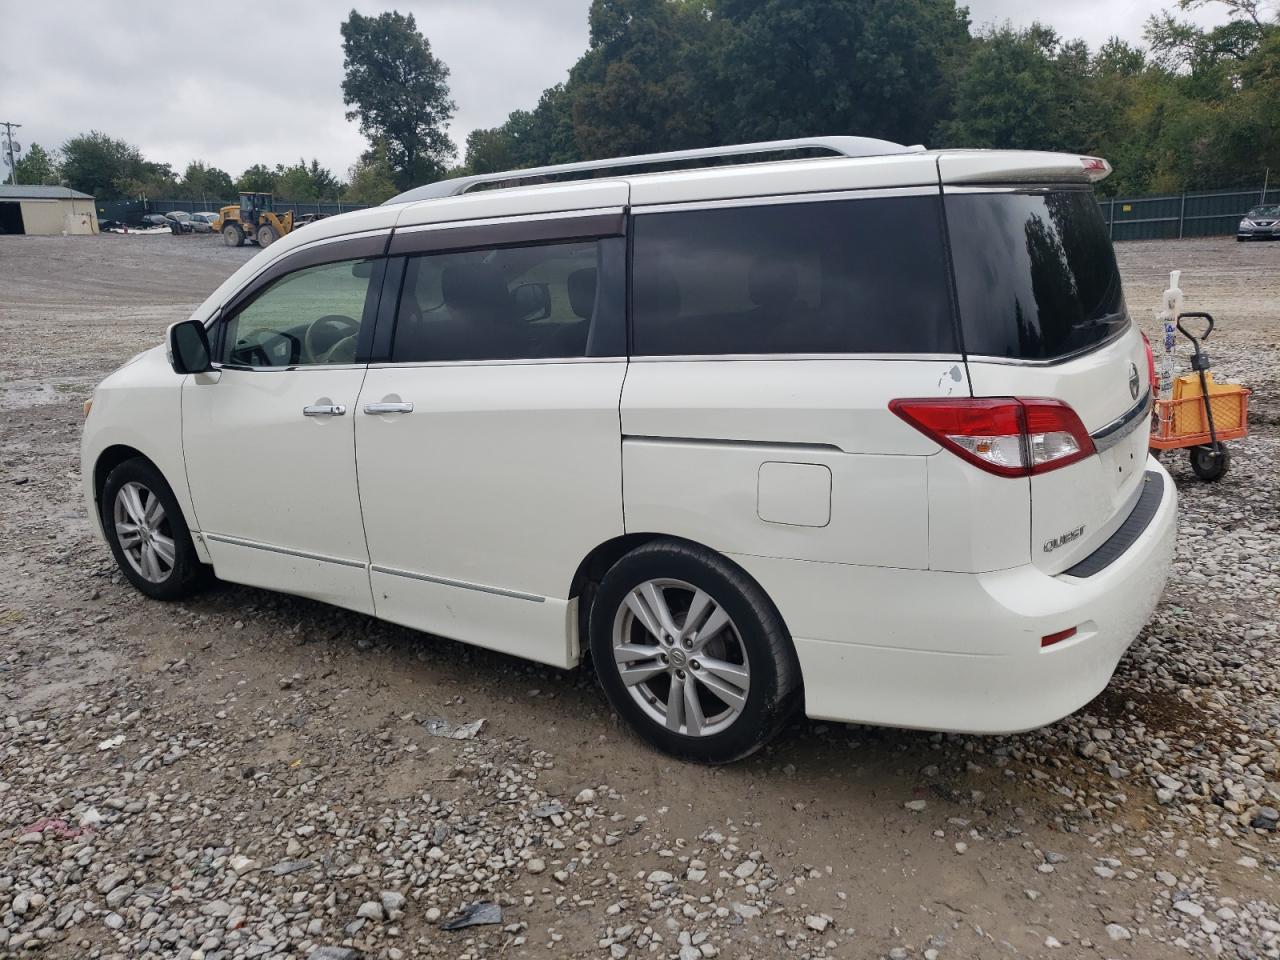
857	428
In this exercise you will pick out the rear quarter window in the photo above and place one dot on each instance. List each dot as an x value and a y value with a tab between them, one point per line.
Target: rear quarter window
844	276
1036	275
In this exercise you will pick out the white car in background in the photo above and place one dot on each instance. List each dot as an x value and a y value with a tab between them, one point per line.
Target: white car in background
863	434
1260	223
203	221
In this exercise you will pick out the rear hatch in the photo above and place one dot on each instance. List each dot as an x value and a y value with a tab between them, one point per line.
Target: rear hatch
1043	315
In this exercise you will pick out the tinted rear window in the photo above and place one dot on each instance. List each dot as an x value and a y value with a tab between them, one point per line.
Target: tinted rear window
847	276
1035	273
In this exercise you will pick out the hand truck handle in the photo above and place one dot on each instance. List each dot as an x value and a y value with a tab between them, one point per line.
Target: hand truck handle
1195	315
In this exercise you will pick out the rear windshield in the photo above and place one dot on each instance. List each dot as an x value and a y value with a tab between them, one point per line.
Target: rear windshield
846	276
1035	273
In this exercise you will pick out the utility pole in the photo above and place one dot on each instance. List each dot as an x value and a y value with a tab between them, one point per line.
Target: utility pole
8	142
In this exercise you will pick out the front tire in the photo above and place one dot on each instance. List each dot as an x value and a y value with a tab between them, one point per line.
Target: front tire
692	653
147	533
267	235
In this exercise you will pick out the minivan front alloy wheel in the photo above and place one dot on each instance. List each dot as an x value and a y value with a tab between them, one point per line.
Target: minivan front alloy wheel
142	529
692	653
146	531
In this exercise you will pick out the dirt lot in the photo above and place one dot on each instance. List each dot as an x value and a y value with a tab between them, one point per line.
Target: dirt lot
250	775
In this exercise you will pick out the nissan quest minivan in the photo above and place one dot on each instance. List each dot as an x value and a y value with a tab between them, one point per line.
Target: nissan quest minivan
859	429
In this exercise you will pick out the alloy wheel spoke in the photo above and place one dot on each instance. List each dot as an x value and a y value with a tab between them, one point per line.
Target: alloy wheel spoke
631	652
657	603
732	696
640	672
693	717
642	613
128	535
715	622
133	503
675	705
153	513
699	607
734	673
150	565
164	548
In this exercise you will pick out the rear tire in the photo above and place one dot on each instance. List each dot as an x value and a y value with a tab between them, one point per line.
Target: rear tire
147	533
267	235
710	693
1210	464
232	235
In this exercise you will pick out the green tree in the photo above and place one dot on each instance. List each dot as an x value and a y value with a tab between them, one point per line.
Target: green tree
399	92
202	182
303	181
372	179
257	179
793	68
38	166
490	150
1008	93
644	83
107	168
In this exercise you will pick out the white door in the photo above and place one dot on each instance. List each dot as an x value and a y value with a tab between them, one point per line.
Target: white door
488	448
269	437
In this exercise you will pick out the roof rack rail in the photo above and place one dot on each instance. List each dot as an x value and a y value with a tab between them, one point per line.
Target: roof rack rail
841	146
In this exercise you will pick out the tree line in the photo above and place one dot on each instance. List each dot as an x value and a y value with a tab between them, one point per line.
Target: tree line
112	169
1193	107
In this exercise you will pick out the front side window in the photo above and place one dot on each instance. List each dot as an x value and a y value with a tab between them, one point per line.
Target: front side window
311	316
542	301
845	276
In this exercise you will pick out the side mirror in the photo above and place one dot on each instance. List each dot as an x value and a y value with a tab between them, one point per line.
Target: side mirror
532	300
188	343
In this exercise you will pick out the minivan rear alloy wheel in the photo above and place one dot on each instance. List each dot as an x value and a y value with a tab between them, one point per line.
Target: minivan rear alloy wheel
690	650
147	533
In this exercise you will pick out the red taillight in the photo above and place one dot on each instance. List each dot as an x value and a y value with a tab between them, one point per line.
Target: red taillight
1007	436
1151	365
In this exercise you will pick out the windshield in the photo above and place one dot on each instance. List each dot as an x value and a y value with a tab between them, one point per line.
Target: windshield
1264	212
1036	277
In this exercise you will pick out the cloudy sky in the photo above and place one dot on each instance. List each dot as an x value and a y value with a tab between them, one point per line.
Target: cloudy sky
238	82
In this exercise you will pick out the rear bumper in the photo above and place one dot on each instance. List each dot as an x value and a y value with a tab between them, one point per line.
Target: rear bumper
961	652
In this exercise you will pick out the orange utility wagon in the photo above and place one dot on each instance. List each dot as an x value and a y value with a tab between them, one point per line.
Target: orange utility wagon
1201	414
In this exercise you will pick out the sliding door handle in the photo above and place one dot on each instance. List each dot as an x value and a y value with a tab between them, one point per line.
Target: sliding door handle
324	410
386	407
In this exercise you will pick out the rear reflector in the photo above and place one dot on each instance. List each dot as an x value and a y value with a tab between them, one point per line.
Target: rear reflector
1007	436
1058	637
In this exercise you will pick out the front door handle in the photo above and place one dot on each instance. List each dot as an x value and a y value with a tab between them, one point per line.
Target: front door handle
386	407
324	410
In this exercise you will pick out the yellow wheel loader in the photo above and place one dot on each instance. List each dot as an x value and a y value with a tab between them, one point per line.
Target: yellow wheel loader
254	219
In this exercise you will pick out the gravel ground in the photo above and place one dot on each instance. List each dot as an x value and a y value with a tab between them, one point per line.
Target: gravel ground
254	775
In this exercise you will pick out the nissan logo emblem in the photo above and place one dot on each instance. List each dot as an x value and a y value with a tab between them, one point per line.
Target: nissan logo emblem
1133	380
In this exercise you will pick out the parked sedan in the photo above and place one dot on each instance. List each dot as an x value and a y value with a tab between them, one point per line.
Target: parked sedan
1260	223
202	222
